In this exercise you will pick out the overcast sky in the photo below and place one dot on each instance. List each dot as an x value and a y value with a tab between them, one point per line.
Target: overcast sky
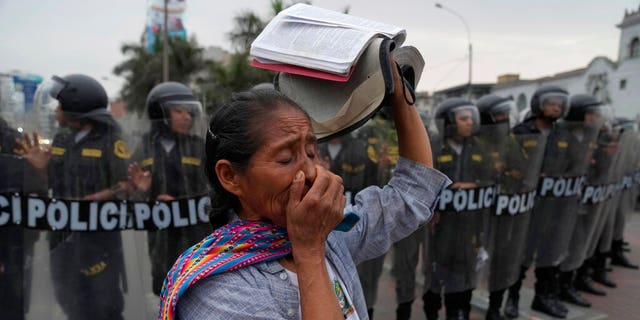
531	38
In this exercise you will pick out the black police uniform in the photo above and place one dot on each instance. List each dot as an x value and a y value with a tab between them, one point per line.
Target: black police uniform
87	268
178	173
455	239
12	241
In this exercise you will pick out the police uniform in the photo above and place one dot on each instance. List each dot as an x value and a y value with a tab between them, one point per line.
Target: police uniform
87	269
457	238
178	173
13	248
378	132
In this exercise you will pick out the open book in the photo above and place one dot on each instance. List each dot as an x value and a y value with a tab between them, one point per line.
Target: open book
317	42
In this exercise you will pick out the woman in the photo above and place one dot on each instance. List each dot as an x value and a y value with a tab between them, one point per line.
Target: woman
273	254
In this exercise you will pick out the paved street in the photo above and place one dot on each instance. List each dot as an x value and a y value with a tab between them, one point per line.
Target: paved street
622	303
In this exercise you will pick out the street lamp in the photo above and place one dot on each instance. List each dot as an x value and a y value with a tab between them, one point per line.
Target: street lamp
440	6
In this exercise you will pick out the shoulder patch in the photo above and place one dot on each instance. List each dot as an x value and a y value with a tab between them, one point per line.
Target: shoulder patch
121	150
562	144
476	157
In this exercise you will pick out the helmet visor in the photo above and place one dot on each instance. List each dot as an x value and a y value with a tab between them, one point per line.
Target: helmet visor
597	116
505	111
554	105
58	84
466	120
184	117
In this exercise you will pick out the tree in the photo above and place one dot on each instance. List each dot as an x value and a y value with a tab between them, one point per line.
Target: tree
143	70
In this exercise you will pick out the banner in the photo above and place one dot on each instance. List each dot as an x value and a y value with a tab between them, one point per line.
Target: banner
155	20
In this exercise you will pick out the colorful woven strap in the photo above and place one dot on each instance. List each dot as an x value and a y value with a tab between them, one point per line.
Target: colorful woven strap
233	246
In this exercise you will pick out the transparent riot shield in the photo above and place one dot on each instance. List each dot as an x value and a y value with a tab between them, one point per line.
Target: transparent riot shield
509	220
596	191
567	153
114	201
629	144
167	166
16	242
457	236
380	141
619	145
347	157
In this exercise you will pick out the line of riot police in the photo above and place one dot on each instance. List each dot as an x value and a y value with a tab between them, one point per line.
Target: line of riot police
550	192
84	190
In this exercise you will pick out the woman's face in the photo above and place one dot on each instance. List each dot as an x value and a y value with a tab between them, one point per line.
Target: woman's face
289	146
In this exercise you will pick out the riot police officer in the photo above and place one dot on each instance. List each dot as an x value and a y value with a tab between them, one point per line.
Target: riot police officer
554	214
87	268
457	240
17	243
628	145
592	114
517	179
382	152
167	166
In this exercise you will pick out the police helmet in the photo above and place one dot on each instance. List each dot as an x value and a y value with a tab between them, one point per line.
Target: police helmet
495	109
78	94
583	104
452	108
167	95
546	95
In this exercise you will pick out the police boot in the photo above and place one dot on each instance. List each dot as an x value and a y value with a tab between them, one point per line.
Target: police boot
432	305
554	290
568	293
456	315
600	272
617	255
403	311
543	300
511	308
495	301
454	306
583	280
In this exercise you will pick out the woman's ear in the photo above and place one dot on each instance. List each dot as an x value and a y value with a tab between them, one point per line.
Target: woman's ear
228	177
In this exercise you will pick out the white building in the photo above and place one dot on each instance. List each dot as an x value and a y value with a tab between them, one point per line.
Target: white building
614	82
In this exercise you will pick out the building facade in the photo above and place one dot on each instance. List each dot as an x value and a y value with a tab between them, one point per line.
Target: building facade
616	83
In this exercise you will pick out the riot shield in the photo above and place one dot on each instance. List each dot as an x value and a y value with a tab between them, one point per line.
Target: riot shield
593	198
457	236
620	139
104	238
509	219
568	150
629	143
167	165
347	157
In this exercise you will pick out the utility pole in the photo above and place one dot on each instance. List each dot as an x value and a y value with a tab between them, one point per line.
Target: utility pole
440	6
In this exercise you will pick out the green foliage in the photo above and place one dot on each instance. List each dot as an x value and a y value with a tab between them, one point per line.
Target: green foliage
214	81
143	70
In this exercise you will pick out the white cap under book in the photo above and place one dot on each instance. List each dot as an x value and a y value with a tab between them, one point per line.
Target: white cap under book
337	108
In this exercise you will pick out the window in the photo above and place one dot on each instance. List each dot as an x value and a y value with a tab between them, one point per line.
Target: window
634	48
623	84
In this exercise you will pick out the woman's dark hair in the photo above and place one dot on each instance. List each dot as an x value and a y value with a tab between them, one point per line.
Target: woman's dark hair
234	134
